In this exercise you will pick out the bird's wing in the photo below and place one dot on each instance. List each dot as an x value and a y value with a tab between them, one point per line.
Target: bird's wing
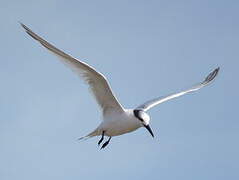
96	81
149	104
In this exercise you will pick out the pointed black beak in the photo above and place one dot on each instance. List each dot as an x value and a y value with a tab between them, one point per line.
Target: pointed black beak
149	129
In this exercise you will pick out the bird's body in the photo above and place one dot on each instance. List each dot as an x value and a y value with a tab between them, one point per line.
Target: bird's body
117	123
116	119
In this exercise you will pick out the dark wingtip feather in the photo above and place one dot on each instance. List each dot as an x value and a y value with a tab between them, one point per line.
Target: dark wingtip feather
25	27
211	76
29	32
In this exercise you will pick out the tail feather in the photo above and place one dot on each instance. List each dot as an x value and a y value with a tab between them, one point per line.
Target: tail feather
92	134
83	138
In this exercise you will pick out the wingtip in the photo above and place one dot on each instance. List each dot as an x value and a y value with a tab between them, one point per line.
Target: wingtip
217	69
215	72
211	76
23	25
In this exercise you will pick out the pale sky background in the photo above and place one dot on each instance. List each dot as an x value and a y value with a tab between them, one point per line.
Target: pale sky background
145	49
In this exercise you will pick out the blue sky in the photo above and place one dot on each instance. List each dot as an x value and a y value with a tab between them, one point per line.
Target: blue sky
145	49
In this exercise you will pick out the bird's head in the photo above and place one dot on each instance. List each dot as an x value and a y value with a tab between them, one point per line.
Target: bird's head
144	119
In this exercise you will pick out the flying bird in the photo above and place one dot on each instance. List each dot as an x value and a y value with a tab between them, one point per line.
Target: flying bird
116	119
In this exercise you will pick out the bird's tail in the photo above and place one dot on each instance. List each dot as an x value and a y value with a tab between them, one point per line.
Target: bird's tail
92	134
83	138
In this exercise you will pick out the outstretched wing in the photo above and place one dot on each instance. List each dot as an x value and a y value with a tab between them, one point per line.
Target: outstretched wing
149	104
96	81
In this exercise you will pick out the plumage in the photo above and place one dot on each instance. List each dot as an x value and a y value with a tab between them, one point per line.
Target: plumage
116	119
154	102
96	81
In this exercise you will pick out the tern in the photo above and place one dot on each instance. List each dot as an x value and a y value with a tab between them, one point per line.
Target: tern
116	119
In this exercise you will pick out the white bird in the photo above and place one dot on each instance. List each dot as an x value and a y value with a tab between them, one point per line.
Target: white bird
116	119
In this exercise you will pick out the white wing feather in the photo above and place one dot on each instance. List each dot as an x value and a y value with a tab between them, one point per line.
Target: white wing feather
149	104
97	82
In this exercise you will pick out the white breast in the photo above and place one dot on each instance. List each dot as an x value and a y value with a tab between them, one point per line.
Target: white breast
116	124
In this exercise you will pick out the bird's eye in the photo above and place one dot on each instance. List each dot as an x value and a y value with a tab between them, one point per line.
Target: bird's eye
137	114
